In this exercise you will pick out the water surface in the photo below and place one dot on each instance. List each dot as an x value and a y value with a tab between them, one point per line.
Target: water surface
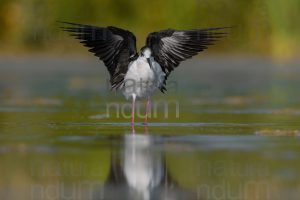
227	129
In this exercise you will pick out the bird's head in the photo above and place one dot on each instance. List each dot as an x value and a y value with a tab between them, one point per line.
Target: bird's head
146	52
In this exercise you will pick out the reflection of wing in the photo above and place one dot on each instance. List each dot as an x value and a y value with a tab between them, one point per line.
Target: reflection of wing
114	46
139	171
170	47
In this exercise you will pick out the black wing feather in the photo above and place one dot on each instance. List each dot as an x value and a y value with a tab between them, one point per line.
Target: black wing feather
171	47
114	46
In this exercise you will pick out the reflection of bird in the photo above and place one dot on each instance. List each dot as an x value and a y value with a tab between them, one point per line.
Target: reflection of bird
140	75
139	171
143	169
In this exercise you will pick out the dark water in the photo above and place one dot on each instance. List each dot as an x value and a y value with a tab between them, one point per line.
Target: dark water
227	129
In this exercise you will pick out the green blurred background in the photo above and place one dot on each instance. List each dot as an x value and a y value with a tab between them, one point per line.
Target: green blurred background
54	127
262	27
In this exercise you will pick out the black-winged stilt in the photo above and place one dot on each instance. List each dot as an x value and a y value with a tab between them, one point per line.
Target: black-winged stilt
140	75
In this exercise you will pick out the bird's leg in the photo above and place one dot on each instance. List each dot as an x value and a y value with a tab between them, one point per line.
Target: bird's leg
146	130
147	110
132	109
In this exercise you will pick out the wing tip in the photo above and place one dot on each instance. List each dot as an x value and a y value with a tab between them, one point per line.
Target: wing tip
163	89
68	26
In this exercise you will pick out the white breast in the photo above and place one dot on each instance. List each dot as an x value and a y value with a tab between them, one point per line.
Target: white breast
141	79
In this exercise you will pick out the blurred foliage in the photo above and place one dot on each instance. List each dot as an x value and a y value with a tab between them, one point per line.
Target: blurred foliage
262	27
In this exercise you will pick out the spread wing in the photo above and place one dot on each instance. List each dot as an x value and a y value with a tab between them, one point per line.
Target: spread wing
114	46
170	47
